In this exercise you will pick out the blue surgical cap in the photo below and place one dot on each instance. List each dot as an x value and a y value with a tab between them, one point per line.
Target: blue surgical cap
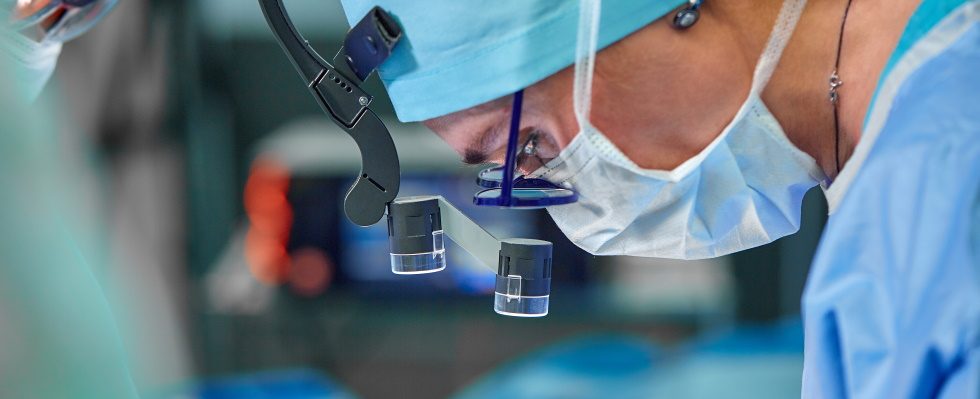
456	54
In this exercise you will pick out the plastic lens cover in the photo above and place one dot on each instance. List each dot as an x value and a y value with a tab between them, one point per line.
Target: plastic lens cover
520	306
490	177
525	193
526	198
506	190
422	263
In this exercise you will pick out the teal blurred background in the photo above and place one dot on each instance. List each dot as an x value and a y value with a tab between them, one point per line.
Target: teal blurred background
208	185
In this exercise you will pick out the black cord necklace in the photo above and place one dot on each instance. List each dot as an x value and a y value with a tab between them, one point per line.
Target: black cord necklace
835	83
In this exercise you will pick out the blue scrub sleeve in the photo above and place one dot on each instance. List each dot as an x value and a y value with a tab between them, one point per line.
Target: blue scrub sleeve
892	303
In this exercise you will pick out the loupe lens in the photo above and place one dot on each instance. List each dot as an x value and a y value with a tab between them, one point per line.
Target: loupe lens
415	235
421	263
490	177
519	305
523	285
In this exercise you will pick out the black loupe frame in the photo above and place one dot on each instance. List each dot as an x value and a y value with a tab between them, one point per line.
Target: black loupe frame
336	87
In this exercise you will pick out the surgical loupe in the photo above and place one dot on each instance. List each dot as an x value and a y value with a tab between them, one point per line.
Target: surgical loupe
417	225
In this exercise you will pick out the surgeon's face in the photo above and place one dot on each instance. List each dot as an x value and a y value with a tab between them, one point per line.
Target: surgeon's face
660	96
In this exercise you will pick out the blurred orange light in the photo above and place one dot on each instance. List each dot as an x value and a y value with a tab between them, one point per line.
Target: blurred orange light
265	196
267	257
270	219
311	272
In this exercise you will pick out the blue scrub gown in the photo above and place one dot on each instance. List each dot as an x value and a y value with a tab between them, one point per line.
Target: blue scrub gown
892	304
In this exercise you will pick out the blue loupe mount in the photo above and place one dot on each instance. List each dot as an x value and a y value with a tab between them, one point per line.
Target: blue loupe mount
503	189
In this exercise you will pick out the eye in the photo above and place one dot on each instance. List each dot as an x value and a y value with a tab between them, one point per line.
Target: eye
529	157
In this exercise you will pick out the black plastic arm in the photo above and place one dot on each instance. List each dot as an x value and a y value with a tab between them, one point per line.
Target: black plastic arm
339	94
300	53
380	177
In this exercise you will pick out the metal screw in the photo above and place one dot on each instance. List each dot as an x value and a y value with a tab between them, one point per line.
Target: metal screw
363	101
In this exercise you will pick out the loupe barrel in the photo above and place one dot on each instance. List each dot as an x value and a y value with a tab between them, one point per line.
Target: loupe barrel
415	235
523	285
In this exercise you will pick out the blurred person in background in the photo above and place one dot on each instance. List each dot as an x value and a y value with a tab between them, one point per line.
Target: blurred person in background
87	304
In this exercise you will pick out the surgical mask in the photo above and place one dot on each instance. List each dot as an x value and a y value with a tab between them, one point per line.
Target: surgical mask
29	63
743	190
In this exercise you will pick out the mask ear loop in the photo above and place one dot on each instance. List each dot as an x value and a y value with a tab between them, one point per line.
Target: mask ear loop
782	32
585	53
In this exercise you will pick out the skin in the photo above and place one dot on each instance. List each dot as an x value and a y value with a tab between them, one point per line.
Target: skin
662	95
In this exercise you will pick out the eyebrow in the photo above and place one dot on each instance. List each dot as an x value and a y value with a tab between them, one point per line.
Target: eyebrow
475	157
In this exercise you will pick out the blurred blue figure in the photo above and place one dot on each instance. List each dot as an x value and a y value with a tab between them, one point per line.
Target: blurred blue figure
58	336
751	362
285	384
589	367
761	362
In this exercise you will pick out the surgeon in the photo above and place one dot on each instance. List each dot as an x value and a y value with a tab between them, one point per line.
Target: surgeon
693	129
58	335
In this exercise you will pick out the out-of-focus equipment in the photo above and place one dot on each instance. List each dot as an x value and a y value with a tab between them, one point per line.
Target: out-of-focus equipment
54	20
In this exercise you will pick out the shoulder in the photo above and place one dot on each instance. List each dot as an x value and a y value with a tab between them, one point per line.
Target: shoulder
928	102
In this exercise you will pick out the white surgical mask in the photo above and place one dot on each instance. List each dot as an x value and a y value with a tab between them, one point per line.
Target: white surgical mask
29	63
743	190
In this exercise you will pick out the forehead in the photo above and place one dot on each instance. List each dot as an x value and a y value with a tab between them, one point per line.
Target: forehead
489	109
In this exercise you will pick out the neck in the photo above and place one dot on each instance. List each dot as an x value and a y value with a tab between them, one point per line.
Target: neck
801	82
